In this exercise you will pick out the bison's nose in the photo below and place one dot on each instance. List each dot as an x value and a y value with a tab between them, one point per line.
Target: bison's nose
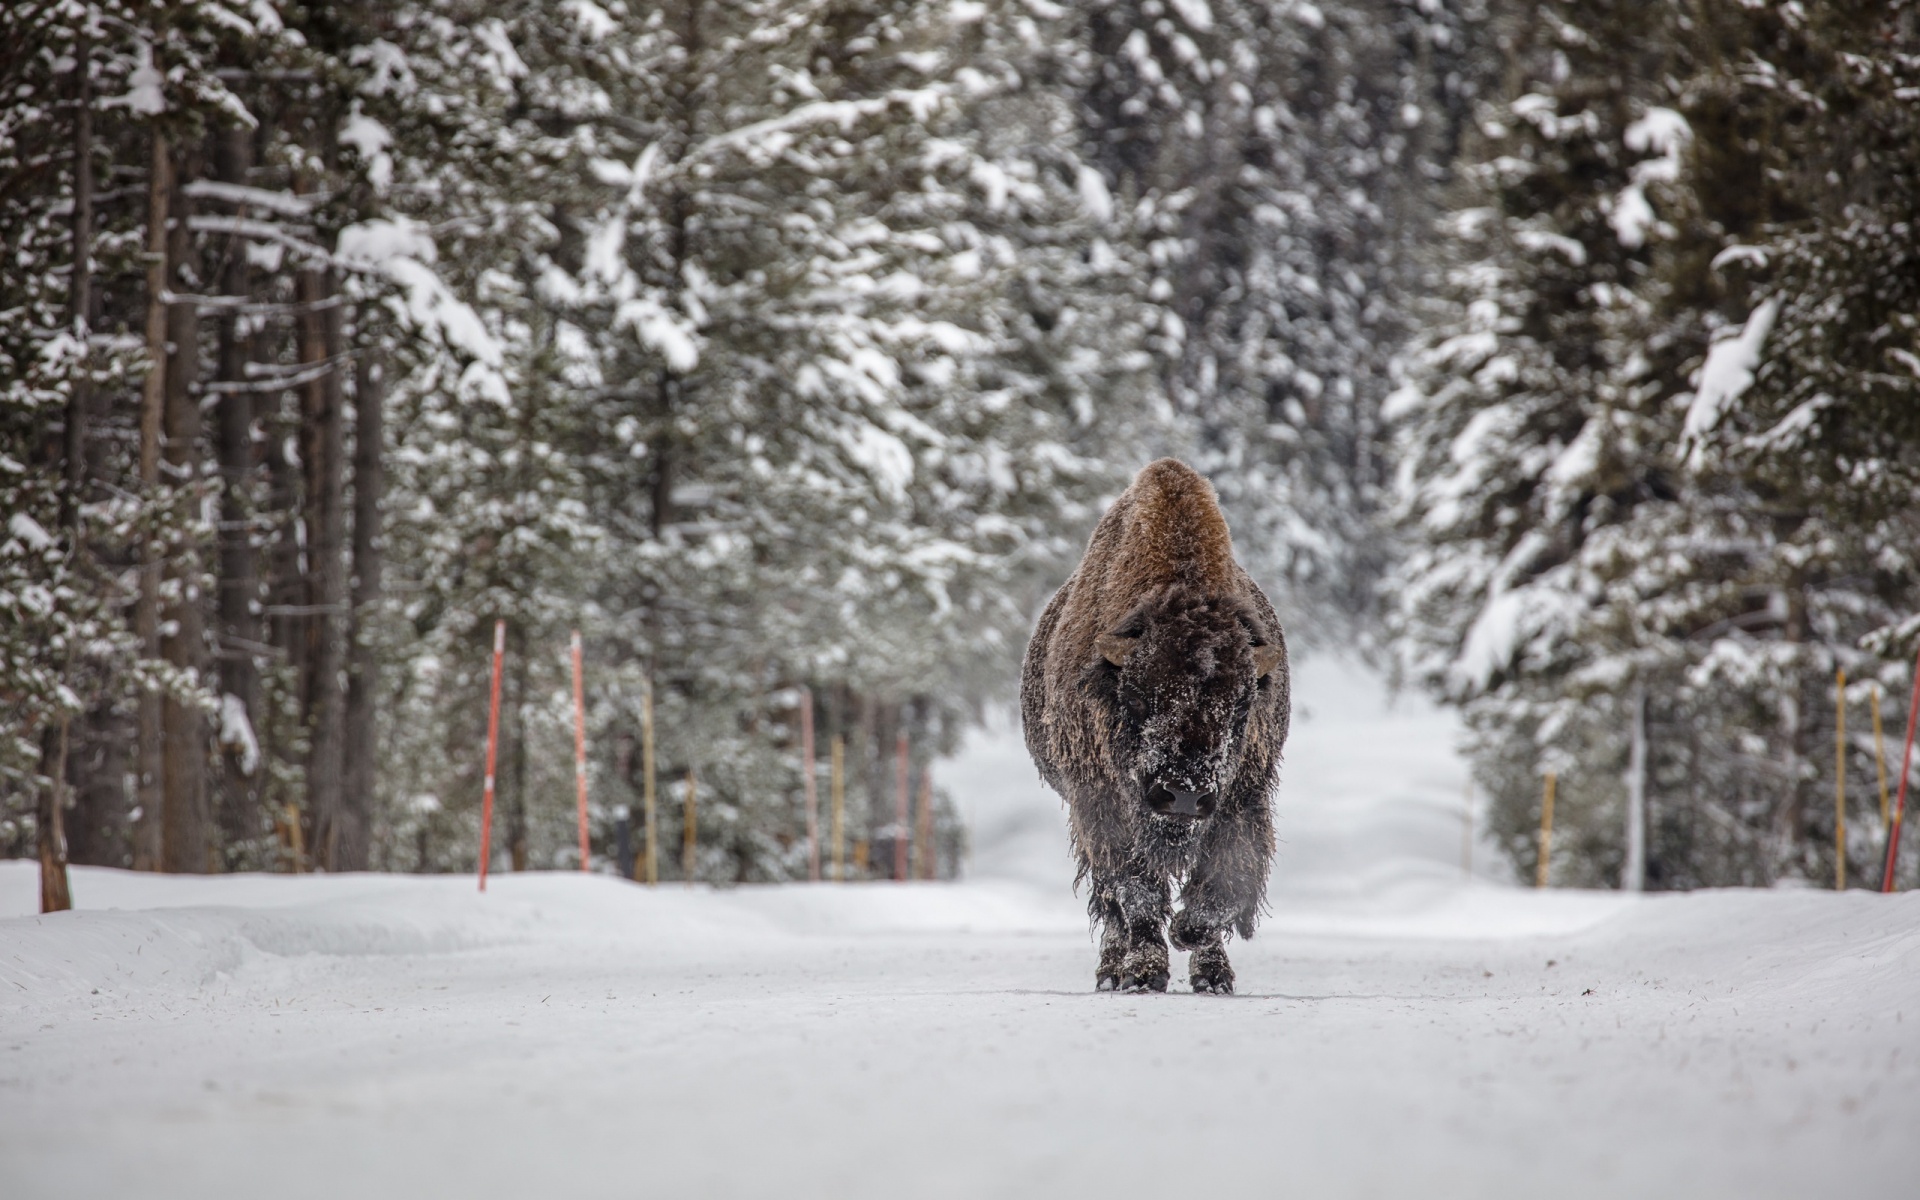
1171	801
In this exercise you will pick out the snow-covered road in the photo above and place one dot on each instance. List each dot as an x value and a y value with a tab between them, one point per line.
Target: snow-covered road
1399	1031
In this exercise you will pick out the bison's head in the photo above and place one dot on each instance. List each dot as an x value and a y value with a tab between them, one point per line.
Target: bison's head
1184	673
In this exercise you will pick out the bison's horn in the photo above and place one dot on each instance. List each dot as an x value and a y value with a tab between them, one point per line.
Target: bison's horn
1266	658
1115	648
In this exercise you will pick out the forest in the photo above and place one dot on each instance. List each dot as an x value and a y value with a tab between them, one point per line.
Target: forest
1562	356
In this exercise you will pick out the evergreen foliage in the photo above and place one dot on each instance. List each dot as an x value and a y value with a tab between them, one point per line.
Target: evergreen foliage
790	347
1642	442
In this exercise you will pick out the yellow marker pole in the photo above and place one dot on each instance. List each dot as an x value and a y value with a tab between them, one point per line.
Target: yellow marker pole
646	786
1546	835
839	787
690	834
1879	753
1840	781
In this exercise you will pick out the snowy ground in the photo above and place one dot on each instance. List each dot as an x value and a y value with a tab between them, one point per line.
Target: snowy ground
1399	1030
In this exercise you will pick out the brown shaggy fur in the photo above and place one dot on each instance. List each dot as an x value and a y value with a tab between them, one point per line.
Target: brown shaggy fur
1187	706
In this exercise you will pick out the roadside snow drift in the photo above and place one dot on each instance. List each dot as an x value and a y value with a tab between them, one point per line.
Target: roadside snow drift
1401	1031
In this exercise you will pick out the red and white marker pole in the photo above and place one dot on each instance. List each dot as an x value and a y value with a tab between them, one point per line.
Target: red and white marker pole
901	822
580	749
813	788
1906	767
493	742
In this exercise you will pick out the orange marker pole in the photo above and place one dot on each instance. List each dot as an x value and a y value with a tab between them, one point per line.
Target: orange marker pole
813	785
580	750
1906	769
901	822
493	743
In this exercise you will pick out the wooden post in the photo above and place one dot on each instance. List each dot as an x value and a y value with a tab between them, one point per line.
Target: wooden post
813	785
1840	780
901	822
296	840
580	750
647	787
689	833
929	868
493	742
1906	769
1879	754
56	894
838	785
1540	871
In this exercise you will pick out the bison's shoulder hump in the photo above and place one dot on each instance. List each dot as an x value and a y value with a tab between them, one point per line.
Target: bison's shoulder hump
1175	532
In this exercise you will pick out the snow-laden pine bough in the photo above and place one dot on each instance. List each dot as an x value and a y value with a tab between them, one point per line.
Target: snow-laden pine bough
1155	702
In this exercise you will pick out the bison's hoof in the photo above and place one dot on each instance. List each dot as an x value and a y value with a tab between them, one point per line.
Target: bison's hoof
1209	971
1106	983
1145	970
1144	983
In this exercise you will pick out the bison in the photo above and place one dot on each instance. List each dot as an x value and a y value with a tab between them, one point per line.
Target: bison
1154	698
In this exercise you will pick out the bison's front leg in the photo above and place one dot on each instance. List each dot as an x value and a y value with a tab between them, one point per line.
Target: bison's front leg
1133	944
1113	939
1223	891
1199	927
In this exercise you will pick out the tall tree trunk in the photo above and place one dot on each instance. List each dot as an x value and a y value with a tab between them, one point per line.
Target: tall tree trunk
80	289
516	798
363	665
55	894
98	773
240	815
322	447
146	611
184	844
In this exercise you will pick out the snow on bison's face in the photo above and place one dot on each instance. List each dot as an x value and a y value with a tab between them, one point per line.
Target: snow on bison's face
1178	680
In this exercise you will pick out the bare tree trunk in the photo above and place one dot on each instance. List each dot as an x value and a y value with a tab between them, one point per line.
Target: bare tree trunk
55	894
517	751
98	775
322	447
239	590
184	845
146	612
80	288
363	665
1633	877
